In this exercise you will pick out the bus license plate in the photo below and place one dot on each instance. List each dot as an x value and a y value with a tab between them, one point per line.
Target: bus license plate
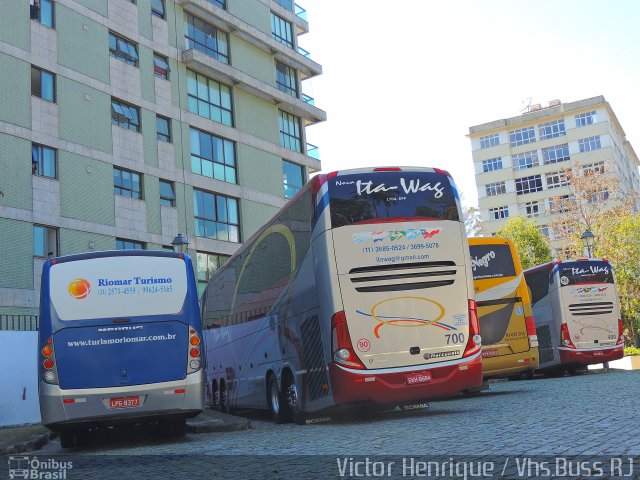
124	402
416	378
598	354
490	352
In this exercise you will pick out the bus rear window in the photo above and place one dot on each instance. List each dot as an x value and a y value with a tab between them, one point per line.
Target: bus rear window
573	273
363	197
491	261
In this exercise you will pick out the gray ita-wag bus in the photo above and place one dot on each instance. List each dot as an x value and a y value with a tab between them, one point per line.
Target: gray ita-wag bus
358	291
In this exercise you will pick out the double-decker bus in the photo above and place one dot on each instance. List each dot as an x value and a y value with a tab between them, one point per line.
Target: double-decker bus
509	341
359	290
120	341
577	314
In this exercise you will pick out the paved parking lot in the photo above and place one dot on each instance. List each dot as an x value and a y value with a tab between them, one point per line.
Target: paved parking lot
595	414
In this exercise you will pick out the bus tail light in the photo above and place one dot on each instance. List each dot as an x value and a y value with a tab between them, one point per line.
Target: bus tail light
531	331
565	337
48	362
620	333
475	340
341	343
194	360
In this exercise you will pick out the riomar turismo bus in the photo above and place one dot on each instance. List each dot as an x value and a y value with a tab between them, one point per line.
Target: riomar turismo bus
577	314
358	291
510	344
120	342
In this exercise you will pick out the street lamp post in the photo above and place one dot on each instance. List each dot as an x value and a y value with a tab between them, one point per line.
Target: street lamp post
588	239
180	243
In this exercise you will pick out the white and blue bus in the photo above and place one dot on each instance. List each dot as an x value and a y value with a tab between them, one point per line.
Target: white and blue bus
119	342
358	291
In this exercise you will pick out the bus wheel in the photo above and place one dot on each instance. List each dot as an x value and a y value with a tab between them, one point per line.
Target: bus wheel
173	427
293	401
224	399
279	409
71	439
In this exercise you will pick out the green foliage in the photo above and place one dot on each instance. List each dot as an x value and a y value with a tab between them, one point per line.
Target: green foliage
533	247
629	351
618	240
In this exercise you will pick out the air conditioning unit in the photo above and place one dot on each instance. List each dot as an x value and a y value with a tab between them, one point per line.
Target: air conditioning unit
534	107
554	103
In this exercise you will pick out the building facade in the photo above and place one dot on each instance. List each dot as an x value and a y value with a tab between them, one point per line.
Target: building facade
126	122
520	162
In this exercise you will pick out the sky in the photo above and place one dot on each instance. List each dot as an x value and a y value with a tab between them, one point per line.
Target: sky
403	80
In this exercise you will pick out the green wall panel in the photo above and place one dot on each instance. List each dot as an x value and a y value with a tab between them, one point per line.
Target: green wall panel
253	61
145	28
256	116
260	170
253	216
16	261
147	79
149	137
15	93
74	241
99	6
15	179
16	33
253	12
86	189
152	200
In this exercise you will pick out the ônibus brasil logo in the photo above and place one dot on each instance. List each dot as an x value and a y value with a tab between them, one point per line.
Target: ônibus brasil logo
79	288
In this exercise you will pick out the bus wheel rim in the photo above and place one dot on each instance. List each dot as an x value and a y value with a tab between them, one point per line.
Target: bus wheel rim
275	401
292	396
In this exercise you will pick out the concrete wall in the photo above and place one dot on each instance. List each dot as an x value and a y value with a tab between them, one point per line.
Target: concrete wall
19	393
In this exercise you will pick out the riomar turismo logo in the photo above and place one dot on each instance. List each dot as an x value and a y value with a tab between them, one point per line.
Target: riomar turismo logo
79	288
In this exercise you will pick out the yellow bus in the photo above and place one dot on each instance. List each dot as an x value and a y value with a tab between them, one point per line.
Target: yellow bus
509	340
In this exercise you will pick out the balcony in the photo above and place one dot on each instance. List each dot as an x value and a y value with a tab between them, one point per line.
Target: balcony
300	12
212	68
313	151
307	99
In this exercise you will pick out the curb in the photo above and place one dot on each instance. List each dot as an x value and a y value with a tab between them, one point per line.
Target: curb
217	426
37	443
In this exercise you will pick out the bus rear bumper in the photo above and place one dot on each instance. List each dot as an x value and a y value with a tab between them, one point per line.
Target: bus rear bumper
589	357
65	409
505	365
393	387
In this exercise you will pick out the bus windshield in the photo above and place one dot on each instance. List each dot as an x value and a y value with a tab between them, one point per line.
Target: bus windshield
491	261
367	196
574	273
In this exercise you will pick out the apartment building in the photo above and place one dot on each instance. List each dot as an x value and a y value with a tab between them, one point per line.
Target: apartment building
126	122
520	162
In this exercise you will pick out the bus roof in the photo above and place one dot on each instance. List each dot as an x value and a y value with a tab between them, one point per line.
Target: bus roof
116	253
490	241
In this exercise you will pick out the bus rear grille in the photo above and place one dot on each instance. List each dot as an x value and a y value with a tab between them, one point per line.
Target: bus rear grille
313	358
544	343
593	308
388	278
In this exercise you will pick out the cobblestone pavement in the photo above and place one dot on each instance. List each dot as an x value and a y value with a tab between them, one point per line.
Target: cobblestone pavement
595	414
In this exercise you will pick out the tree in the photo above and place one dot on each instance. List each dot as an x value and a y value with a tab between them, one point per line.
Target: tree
533	247
472	225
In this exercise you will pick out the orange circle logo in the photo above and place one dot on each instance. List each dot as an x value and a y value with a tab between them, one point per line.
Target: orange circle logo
79	288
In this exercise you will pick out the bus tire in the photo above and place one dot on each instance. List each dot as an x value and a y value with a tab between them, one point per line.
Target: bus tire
293	402
278	405
71	439
215	396
224	399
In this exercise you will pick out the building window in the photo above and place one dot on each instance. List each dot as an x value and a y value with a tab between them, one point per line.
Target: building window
158	8
43	84
584	119
163	129
529	184
122	244
498	213
288	4
551	129
557	179
492	164
42	11
495	188
286	79
590	143
127	184
525	160
123	49
212	156
290	136
532	209
207	264
522	136
125	115
219	3
560	204
293	177
160	66
45	241
206	38
593	168
216	216
281	30
43	161
555	154
167	194
489	141
209	98
544	230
